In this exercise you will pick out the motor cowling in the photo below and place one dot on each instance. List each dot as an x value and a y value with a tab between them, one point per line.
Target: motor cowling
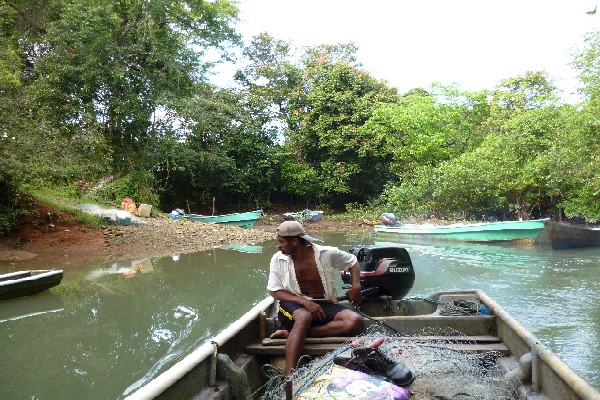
388	269
389	219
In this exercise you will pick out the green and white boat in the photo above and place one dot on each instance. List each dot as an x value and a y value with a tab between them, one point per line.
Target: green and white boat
245	219
477	232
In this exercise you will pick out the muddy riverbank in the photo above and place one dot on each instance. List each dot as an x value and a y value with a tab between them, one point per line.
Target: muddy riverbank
49	238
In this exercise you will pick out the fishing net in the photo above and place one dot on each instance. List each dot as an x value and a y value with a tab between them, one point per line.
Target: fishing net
442	372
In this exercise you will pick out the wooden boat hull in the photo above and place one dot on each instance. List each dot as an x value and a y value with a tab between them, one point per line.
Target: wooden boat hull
480	232
228	366
27	283
563	236
244	220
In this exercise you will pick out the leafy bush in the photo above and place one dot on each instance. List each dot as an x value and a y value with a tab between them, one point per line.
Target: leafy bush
138	185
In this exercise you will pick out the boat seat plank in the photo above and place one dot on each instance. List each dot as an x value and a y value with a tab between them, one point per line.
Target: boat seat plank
319	349
344	339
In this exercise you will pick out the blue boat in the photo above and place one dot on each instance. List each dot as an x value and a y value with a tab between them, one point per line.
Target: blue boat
245	219
245	248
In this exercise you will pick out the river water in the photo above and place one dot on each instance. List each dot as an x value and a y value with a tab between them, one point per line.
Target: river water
109	328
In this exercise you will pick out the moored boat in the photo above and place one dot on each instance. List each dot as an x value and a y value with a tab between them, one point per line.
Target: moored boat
245	248
564	236
244	219
477	232
483	335
26	283
303	216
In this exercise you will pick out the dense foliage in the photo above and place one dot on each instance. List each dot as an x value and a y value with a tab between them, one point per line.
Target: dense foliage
112	99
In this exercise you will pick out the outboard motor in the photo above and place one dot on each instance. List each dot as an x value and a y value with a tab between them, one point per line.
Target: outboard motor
389	219
384	271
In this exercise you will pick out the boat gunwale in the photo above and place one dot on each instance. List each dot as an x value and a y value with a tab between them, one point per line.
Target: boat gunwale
162	382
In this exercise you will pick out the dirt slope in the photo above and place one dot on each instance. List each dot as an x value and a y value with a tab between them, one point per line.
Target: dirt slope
49	238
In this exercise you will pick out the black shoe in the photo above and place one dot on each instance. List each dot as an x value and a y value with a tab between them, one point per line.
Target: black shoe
396	372
356	363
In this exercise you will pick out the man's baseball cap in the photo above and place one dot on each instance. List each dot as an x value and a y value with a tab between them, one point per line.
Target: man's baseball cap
294	228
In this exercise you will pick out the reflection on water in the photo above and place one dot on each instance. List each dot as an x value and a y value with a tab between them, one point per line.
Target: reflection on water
127	268
109	328
30	306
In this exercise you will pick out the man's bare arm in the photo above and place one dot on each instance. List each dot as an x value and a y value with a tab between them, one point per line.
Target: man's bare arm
354	293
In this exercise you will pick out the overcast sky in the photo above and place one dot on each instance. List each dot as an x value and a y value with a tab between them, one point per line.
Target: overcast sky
473	43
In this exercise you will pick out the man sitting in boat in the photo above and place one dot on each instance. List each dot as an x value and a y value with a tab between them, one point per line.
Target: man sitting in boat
301	278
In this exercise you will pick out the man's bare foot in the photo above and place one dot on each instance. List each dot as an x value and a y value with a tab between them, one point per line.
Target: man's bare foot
279	334
357	343
361	341
395	351
376	343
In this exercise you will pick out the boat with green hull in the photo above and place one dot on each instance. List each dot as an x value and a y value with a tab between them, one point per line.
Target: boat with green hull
477	232
244	219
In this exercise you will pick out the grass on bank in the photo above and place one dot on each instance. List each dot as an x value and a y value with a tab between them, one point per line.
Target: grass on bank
65	203
64	200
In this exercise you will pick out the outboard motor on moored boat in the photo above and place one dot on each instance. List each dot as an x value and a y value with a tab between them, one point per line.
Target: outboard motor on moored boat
389	219
384	271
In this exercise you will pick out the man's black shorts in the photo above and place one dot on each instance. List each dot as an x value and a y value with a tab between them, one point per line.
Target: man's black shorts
287	308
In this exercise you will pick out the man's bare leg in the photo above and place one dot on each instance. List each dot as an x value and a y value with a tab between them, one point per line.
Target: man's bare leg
346	322
295	339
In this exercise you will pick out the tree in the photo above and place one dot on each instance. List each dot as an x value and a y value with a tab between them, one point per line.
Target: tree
425	129
473	160
587	62
326	111
223	154
268	79
123	66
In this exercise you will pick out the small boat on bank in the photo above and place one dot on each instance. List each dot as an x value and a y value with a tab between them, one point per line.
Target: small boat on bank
450	335
477	232
564	236
26	283
245	248
244	219
303	216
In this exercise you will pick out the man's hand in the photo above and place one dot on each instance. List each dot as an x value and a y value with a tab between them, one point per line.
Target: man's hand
315	309
355	294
